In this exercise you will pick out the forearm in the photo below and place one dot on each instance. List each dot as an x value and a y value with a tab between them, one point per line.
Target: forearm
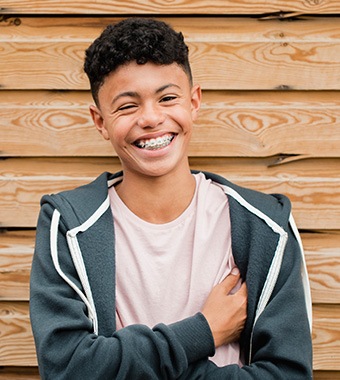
66	350
67	346
264	370
280	340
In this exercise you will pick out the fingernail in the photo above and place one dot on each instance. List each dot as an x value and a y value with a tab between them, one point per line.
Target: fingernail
235	271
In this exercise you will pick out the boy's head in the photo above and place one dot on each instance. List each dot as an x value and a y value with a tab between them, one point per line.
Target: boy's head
134	40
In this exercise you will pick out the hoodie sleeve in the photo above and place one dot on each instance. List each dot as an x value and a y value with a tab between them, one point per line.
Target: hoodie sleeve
66	346
281	337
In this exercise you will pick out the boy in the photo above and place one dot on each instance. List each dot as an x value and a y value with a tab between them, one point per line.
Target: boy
138	274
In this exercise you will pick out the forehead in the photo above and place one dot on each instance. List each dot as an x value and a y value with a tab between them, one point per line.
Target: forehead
147	77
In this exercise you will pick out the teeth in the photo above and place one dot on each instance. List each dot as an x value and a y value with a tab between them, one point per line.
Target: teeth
157	143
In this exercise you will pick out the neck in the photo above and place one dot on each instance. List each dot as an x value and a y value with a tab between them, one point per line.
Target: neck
157	199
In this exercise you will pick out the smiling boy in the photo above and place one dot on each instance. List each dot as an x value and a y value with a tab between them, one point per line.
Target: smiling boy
157	272
147	112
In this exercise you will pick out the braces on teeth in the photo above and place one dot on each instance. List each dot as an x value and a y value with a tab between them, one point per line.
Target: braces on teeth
157	143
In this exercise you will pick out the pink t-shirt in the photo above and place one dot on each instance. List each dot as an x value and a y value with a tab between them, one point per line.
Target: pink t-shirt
166	271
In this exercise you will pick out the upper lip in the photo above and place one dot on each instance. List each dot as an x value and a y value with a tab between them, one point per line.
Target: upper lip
153	136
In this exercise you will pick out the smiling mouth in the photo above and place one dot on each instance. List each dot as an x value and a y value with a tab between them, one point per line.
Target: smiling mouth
155	143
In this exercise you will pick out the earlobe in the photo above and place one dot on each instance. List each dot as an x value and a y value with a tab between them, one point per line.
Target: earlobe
196	97
99	121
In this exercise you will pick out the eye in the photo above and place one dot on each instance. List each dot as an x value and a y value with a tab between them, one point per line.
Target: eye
126	107
168	98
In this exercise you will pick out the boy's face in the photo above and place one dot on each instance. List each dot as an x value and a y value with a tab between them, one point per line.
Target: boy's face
147	112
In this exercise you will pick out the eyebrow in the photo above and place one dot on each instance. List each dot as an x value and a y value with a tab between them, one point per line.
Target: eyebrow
130	94
166	86
133	94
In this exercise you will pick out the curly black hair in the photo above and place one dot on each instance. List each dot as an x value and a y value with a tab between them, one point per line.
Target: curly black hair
138	40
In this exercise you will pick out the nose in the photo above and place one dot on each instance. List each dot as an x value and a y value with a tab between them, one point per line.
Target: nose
150	116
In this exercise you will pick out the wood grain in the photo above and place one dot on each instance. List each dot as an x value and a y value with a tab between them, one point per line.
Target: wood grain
163	6
316	200
17	346
322	251
210	29
217	66
326	337
258	124
279	56
16	252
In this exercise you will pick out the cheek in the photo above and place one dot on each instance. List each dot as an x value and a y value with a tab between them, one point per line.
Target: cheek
118	137
188	119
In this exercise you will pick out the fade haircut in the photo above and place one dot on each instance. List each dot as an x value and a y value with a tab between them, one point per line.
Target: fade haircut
137	40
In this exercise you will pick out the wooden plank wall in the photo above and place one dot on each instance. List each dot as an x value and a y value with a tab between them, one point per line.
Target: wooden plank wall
270	120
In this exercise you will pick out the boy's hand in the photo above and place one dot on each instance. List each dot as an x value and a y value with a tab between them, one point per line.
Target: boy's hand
226	313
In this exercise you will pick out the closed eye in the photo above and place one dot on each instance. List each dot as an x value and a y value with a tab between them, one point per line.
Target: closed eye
126	107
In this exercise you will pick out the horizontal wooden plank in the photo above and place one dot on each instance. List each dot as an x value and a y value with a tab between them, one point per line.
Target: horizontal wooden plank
19	373
258	124
32	373
17	346
210	29
326	375
164	7
322	252
296	66
326	337
16	251
312	185
225	53
315	199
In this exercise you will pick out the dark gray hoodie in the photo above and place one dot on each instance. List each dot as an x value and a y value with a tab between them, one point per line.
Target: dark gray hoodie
72	303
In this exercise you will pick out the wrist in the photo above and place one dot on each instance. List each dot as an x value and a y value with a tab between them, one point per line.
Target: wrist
195	336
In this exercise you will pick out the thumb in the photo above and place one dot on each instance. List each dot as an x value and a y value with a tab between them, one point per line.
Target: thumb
235	271
231	280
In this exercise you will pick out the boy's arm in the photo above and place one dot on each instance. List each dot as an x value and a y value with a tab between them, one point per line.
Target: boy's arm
68	348
281	338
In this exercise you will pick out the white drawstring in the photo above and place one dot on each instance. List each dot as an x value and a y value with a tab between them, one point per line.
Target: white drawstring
275	266
304	273
55	259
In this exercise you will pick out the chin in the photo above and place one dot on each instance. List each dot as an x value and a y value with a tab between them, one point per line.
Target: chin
159	171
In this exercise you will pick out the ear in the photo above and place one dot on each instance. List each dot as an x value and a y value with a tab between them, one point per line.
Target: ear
196	97
99	121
